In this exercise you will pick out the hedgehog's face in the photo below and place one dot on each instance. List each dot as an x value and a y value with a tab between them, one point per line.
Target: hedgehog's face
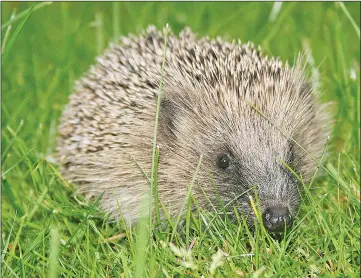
242	174
241	157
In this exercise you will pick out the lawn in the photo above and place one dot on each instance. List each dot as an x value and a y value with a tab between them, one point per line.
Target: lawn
47	231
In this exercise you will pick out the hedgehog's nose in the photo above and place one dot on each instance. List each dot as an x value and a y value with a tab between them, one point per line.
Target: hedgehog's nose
276	218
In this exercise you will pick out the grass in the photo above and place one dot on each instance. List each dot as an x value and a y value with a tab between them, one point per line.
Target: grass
48	232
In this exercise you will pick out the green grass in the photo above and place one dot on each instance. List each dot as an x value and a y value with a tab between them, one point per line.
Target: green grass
48	232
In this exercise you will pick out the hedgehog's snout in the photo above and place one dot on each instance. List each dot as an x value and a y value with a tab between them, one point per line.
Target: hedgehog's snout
276	219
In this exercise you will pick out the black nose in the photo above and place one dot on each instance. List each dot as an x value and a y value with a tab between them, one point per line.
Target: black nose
276	218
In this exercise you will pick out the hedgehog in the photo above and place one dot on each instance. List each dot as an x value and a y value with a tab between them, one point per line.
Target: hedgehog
253	123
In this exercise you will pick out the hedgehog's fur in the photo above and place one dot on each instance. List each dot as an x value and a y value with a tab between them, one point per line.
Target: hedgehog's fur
218	97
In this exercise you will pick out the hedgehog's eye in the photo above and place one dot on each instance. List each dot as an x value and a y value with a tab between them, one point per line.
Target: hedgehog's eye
223	161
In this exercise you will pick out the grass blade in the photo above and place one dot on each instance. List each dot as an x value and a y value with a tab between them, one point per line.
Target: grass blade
354	25
16	33
24	13
54	253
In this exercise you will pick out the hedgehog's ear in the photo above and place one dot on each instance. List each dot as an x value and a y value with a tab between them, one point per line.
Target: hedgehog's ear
168	116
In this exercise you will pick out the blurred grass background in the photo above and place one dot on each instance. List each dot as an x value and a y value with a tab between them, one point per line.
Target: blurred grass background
45	51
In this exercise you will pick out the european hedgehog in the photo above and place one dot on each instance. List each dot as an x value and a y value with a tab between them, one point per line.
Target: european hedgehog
255	123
